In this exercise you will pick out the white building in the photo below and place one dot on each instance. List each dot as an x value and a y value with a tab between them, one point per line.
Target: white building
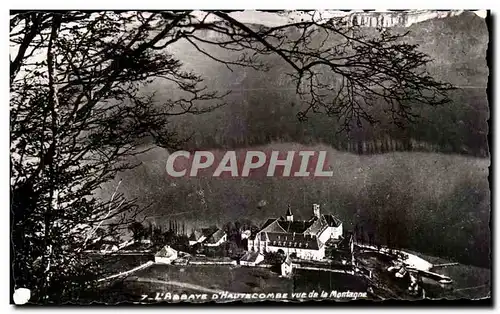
166	255
306	239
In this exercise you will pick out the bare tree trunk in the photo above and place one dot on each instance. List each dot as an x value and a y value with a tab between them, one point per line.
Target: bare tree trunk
53	102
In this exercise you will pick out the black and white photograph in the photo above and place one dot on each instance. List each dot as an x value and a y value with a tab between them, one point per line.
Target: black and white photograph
248	156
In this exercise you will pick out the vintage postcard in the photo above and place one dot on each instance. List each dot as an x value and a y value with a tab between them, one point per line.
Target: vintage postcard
245	156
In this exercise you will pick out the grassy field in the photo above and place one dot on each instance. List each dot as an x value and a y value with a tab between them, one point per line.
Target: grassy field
235	279
161	279
158	280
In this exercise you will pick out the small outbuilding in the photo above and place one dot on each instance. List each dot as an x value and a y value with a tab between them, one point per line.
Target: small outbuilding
166	255
251	258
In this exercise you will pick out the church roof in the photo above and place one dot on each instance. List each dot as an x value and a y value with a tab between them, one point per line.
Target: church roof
332	220
316	225
290	240
272	225
294	226
268	223
309	229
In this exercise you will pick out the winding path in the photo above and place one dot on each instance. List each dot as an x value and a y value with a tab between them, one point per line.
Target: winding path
128	272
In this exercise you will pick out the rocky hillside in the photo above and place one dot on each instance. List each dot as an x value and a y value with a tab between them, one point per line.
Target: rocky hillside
391	18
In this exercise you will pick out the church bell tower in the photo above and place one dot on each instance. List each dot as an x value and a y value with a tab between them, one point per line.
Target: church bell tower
289	216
